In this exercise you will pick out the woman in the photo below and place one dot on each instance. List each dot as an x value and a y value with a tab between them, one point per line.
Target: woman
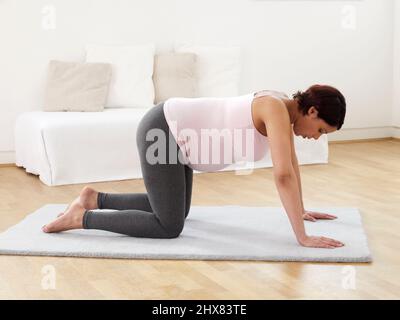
271	117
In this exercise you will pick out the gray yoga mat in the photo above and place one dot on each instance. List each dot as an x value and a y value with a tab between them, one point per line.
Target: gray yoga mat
210	233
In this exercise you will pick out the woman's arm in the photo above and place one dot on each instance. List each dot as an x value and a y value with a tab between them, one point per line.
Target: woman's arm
307	215
296	169
279	130
290	196
297	172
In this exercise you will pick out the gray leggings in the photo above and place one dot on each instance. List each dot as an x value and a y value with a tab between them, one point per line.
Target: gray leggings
162	211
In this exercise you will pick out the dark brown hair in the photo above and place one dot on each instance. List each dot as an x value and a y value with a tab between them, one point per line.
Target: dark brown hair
329	102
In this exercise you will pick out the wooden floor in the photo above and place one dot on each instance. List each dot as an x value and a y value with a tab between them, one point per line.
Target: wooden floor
365	175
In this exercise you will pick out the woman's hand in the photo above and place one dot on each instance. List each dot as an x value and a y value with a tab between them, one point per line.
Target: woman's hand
314	216
320	242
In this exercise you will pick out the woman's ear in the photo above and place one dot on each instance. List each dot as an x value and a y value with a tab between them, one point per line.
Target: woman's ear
313	112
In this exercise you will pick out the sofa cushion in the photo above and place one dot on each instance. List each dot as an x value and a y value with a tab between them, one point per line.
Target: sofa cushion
132	70
75	86
218	69
174	76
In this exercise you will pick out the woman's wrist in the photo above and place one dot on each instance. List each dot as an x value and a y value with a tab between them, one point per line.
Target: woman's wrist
301	237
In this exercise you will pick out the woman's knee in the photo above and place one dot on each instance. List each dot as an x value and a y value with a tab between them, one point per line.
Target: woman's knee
174	230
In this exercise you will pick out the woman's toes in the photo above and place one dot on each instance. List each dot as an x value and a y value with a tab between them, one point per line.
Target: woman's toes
53	226
68	221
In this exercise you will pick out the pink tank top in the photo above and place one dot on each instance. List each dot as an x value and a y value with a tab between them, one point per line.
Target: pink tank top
213	133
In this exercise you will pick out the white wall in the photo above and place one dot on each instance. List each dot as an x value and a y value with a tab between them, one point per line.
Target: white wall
396	70
287	45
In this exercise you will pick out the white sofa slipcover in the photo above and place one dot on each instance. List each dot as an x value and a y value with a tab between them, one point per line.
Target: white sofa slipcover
84	147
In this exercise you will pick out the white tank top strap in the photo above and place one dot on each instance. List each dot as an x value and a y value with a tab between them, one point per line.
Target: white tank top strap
270	93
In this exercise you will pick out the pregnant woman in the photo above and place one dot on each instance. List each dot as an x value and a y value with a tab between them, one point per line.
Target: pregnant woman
255	122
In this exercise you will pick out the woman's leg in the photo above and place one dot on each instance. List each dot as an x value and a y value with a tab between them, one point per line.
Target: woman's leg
166	187
140	201
123	201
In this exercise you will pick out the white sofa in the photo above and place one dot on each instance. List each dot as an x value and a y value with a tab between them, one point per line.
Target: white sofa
83	147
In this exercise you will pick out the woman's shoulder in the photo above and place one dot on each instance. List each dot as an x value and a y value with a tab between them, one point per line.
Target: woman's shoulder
273	93
268	98
268	106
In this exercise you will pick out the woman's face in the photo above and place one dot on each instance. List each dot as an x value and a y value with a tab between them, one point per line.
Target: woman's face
310	126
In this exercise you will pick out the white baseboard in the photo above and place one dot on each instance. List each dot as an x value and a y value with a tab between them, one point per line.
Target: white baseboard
396	132
7	157
348	134
345	134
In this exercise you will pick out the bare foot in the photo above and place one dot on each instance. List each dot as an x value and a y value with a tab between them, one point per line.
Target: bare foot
72	219
87	199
